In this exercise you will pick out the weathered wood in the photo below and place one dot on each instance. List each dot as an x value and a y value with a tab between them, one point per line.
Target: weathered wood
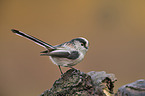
76	83
136	88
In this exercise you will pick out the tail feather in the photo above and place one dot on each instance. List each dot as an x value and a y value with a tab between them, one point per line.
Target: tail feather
46	51
35	40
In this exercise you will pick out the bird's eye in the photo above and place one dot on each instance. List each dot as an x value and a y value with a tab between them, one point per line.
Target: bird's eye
82	44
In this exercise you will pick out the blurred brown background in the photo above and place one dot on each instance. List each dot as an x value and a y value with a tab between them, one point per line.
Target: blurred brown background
115	29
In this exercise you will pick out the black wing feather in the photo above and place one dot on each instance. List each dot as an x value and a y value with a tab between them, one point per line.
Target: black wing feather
63	54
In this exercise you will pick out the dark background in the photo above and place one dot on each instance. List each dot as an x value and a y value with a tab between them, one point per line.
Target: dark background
115	30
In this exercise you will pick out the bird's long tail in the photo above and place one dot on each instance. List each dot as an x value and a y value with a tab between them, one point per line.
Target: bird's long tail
35	40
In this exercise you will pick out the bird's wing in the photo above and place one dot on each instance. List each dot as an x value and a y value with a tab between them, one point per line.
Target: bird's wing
35	40
63	54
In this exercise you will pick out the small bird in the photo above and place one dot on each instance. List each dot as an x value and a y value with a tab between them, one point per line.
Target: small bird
66	54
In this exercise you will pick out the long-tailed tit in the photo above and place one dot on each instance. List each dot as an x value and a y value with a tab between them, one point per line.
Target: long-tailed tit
66	54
